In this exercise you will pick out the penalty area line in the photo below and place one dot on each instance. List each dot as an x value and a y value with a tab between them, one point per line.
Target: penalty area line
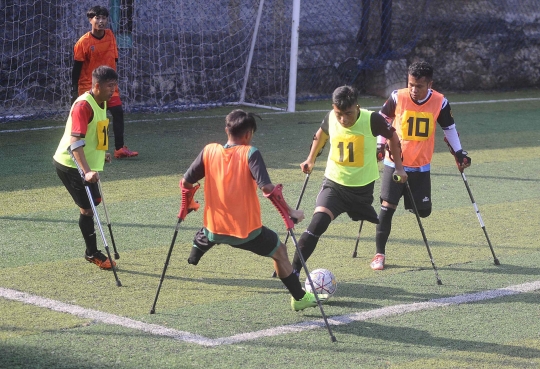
158	330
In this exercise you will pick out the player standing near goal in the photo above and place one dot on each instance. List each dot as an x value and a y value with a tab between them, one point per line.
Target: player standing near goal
414	111
95	48
87	120
351	169
232	213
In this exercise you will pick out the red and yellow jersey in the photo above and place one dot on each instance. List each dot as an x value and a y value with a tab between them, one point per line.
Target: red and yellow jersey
95	131
228	210
415	126
94	52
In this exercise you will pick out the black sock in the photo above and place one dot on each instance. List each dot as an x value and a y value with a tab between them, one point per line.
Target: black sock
383	229
117	113
308	241
86	224
293	285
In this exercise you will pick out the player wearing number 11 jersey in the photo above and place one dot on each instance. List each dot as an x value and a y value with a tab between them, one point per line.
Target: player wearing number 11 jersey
413	112
351	169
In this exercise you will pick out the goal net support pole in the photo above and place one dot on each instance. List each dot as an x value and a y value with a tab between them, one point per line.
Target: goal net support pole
295	30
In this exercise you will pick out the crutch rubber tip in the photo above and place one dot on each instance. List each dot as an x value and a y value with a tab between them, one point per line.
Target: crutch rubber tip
354	255
439	282
152	311
333	338
117	256
496	261
118	283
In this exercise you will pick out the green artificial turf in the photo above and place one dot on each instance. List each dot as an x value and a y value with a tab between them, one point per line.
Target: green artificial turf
231	293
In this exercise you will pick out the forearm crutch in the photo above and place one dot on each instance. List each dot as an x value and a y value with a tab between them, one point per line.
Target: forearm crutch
290	231
116	254
184	210
153	309
357	239
76	145
397	179
277	200
274	275
460	168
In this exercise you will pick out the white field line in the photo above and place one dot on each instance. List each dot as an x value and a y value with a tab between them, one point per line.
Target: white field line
154	329
269	113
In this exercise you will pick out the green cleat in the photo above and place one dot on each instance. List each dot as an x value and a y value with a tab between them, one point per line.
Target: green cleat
308	300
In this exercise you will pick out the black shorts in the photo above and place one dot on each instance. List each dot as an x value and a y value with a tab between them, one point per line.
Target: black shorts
355	201
72	180
419	182
265	244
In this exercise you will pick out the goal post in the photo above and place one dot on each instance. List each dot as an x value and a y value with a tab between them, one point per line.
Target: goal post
295	34
242	100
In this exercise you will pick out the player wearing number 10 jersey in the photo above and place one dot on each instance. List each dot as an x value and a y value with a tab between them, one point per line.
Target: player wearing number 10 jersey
351	169
413	112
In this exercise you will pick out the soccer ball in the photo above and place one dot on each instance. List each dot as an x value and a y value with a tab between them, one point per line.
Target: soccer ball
323	281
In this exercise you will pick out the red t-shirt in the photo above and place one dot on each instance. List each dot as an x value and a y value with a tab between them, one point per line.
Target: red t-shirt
81	116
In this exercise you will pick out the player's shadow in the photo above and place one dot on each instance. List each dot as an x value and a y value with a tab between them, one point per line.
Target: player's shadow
264	285
114	224
502	269
413	337
418	337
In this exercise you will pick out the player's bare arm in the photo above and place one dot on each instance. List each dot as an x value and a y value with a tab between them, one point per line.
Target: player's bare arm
319	140
395	148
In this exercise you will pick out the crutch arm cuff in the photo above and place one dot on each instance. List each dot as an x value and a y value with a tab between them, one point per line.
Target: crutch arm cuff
75	145
188	203
277	199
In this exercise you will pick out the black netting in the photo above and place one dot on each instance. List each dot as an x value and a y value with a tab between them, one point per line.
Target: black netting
186	54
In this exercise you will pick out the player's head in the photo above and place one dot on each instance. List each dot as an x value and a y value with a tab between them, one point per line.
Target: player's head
99	18
97	11
104	74
420	80
104	82
421	69
238	123
344	97
345	105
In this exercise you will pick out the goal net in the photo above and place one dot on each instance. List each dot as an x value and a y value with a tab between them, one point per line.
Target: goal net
190	54
173	54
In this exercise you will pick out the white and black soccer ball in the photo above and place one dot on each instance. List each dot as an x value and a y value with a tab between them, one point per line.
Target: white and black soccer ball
323	281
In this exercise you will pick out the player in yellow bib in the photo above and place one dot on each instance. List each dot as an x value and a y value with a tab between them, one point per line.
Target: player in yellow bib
414	112
87	121
351	169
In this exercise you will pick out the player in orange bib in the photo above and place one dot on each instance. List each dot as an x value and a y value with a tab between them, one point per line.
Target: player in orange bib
96	48
414	112
232	213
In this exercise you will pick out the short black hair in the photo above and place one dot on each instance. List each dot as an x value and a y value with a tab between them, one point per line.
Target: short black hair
344	97
421	69
103	74
97	10
238	122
